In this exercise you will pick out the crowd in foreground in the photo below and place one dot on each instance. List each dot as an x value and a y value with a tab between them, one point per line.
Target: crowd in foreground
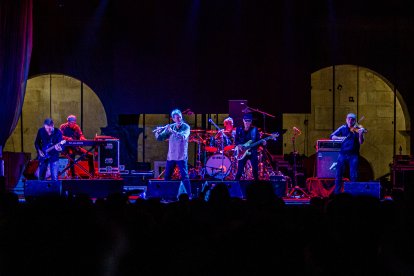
259	235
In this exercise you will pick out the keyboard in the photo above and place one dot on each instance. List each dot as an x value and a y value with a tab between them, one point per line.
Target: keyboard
83	143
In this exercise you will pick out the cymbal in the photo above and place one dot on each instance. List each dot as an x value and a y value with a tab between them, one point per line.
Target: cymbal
197	130
211	131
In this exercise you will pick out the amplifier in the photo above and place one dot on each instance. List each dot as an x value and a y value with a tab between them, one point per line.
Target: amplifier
326	164
363	188
328	145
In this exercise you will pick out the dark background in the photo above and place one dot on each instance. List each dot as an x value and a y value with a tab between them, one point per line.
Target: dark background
150	56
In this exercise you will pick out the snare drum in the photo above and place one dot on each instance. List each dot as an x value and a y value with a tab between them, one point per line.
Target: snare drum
211	145
218	166
228	144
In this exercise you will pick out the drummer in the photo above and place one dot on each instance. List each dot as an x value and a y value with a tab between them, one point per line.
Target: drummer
229	133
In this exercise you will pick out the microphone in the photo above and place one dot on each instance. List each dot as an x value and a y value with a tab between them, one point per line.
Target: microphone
333	166
297	130
210	120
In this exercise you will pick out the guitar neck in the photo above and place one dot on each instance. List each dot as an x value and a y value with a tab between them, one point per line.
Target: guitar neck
49	149
52	147
260	141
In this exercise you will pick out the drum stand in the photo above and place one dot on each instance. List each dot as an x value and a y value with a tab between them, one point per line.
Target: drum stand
221	169
265	166
296	187
198	167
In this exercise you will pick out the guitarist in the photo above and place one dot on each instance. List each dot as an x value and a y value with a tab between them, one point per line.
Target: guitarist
243	135
48	146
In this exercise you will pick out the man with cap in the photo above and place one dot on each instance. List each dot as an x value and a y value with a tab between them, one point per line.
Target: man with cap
351	137
48	145
72	131
244	134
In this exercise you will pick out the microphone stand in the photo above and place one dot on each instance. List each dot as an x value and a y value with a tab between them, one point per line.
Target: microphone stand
221	146
249	109
295	180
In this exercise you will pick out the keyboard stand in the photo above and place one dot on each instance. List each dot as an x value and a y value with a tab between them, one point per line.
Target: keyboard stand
75	162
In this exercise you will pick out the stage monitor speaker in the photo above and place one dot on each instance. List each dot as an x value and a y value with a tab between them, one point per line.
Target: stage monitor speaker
363	188
326	164
233	187
165	189
280	185
93	188
42	188
236	108
138	178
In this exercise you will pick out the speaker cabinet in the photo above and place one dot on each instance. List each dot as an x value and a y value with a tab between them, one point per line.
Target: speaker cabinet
165	190
138	178
93	188
39	188
279	184
363	188
326	164
236	108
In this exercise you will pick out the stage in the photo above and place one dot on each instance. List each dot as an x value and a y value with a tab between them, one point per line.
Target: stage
141	188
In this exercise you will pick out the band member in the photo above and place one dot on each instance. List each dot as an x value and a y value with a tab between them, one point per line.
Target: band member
243	135
48	145
177	135
229	131
352	137
72	131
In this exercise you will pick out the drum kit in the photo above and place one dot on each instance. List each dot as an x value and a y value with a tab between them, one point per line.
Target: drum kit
214	154
215	157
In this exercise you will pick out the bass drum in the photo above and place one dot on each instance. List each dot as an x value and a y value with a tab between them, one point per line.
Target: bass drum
218	166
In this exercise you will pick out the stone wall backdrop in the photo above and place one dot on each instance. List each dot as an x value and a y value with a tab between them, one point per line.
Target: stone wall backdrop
361	91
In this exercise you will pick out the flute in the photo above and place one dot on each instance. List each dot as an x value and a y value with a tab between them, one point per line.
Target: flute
163	127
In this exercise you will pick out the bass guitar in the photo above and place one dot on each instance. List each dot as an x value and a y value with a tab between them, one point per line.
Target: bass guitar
47	149
242	150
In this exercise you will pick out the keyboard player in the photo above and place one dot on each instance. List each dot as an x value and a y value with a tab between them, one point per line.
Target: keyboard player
72	131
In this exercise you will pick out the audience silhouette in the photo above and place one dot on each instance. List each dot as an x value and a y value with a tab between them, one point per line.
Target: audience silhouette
257	235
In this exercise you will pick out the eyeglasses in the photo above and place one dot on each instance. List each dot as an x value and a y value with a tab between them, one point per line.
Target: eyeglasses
247	120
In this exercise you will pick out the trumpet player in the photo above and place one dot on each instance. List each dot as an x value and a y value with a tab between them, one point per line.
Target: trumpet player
177	135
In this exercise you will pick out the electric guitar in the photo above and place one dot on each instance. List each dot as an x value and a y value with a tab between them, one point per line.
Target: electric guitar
47	149
242	150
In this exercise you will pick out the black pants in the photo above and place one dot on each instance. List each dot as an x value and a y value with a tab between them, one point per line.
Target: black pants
255	165
183	167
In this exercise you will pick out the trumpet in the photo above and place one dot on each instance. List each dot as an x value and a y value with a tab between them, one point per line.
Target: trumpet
161	128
